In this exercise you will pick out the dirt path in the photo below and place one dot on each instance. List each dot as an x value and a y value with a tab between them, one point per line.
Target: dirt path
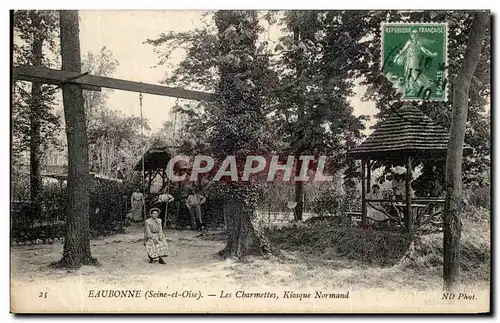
122	258
193	265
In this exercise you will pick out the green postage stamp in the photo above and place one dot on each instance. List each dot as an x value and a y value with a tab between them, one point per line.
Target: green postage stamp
414	59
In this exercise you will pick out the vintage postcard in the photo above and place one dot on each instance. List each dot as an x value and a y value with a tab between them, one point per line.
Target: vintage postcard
245	161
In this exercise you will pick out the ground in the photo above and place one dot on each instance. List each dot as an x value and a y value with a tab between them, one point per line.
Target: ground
193	265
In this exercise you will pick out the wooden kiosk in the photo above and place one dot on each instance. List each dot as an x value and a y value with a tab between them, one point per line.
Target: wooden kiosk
404	138
153	163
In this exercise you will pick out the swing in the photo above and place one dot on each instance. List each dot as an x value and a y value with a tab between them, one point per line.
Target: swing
168	178
143	154
142	171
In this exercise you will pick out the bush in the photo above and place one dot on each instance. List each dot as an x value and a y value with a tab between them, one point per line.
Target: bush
39	232
20	185
107	207
54	203
326	199
479	196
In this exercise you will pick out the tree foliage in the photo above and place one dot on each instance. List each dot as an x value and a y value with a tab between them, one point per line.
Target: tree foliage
315	69
100	64
114	139
314	109
31	25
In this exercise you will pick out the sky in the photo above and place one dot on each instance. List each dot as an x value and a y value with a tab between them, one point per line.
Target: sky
123	32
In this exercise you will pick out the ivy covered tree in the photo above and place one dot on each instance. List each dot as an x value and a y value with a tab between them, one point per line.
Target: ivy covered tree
227	60
239	125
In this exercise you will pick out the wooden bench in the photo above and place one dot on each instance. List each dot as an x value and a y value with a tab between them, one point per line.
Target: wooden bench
354	216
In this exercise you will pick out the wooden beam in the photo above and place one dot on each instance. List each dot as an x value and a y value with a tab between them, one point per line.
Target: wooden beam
18	73
92	82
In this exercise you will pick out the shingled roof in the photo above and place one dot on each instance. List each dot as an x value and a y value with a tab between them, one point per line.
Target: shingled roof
406	131
155	158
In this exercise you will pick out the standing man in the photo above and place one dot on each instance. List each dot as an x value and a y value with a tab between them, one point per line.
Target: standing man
162	203
194	202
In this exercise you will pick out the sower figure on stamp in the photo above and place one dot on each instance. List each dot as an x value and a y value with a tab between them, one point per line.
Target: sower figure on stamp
410	57
194	202
156	243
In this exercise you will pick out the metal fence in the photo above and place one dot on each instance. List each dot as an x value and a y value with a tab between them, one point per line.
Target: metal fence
26	225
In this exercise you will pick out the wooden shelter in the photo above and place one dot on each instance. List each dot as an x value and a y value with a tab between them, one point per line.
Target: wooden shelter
405	135
153	163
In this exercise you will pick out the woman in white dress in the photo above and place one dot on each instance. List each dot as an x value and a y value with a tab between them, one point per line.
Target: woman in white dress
372	212
137	205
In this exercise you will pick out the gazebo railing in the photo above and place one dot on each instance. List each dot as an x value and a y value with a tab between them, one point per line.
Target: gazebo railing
428	211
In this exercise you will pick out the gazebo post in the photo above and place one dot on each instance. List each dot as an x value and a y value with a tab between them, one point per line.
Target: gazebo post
409	210
363	193
148	189
368	175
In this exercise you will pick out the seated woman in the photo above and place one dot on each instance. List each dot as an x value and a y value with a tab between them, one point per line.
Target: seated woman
156	244
372	212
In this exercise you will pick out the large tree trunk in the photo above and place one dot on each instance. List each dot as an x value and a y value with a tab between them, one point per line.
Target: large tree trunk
299	193
237	103
245	236
77	243
299	185
35	139
453	204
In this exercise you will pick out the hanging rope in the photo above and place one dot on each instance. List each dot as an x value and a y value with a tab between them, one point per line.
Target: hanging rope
175	120
168	178
142	161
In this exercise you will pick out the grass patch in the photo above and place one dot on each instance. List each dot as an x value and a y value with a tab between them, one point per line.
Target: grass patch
336	239
426	252
332	237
